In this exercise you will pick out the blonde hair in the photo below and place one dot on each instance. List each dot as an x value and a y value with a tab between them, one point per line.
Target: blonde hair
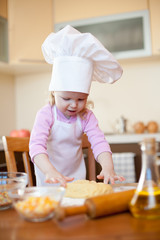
89	104
51	99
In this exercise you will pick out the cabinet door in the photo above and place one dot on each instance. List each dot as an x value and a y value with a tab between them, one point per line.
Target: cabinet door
29	24
71	10
154	6
125	35
3	8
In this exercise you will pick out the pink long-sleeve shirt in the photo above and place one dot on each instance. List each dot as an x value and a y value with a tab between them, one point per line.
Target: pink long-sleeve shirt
45	120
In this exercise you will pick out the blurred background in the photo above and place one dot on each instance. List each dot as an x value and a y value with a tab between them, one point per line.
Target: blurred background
25	77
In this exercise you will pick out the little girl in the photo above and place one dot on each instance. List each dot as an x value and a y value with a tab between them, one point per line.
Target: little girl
56	137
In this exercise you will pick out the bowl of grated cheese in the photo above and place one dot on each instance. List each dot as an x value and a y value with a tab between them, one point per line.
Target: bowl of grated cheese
37	204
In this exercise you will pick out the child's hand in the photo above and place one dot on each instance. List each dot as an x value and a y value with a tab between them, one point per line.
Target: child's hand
51	173
108	173
109	176
58	178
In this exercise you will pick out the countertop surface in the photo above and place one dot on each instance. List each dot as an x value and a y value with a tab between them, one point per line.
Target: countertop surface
130	137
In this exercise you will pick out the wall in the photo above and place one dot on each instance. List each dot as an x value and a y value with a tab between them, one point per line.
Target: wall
7	104
31	94
135	96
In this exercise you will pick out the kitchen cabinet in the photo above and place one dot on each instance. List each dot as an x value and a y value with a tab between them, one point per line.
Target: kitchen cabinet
125	35
77	10
103	8
3	8
154	7
130	147
121	143
29	22
126	148
3	31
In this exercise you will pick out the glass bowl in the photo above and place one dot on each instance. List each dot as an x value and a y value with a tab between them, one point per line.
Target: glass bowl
37	204
10	181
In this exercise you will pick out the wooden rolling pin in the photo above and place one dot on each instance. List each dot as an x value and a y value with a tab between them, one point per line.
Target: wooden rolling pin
99	206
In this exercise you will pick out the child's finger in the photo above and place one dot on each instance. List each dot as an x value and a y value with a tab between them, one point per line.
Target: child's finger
112	180
106	180
62	181
51	180
100	176
69	179
121	178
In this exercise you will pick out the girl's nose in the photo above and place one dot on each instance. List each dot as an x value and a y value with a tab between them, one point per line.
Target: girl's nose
74	103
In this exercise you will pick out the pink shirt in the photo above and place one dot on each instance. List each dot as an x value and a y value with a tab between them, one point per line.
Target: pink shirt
43	124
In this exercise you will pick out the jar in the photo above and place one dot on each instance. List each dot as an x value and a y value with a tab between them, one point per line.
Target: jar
146	200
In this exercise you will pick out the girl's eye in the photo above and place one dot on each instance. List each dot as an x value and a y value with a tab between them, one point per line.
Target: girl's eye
81	99
66	99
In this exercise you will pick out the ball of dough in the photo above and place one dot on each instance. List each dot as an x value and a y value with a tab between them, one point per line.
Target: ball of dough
86	189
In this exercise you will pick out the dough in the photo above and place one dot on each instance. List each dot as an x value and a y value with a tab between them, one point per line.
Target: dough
86	189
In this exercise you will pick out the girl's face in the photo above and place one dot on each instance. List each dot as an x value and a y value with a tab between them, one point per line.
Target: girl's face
70	103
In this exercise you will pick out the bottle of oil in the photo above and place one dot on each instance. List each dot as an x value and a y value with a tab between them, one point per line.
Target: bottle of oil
146	200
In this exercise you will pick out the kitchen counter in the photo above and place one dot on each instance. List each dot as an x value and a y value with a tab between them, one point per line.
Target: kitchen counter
130	138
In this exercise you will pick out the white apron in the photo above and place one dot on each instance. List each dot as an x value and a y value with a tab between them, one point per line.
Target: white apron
65	150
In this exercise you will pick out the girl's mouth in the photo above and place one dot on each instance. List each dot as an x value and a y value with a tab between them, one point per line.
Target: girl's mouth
71	111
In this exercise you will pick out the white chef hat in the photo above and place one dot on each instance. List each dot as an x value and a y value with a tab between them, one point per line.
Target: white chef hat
78	58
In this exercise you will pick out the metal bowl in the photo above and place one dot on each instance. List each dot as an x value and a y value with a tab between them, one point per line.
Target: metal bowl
10	181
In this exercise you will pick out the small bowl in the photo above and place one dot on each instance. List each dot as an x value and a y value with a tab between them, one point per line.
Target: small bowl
10	181
37	204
